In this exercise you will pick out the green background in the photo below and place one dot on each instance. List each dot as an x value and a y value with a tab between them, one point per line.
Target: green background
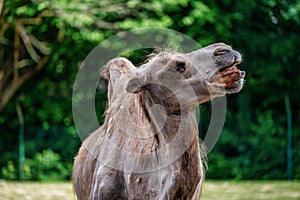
42	44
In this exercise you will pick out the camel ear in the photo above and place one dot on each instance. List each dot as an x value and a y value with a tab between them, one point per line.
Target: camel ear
136	84
113	71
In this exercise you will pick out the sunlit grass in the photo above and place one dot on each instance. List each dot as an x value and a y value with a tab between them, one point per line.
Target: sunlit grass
246	190
36	191
212	190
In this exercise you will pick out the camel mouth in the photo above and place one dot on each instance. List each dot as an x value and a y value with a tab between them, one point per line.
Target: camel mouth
229	78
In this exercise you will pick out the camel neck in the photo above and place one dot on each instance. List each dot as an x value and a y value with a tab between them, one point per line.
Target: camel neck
167	125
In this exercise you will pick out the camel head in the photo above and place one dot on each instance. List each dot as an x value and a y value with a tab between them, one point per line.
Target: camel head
179	81
218	63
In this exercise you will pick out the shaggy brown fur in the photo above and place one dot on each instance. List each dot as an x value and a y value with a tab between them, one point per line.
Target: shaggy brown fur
150	109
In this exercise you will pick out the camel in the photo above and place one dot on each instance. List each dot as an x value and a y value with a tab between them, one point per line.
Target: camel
148	146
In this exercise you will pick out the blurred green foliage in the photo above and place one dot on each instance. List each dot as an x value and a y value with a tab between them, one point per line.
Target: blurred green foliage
253	143
45	166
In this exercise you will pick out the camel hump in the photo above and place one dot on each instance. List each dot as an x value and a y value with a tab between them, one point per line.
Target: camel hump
114	70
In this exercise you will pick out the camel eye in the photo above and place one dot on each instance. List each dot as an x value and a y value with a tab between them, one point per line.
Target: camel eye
180	66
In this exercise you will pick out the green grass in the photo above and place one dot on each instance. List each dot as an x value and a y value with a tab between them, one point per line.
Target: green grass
212	190
246	190
36	191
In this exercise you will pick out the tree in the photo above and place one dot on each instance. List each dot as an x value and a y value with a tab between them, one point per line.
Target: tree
39	37
23	54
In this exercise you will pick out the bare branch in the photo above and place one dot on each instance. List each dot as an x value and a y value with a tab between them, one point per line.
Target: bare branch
15	84
4	41
1	5
26	39
1	75
16	54
4	24
35	21
40	45
25	63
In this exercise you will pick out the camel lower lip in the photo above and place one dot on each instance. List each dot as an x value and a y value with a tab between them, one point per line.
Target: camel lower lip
236	87
223	88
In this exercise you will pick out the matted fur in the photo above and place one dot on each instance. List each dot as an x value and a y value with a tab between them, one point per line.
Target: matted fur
147	108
